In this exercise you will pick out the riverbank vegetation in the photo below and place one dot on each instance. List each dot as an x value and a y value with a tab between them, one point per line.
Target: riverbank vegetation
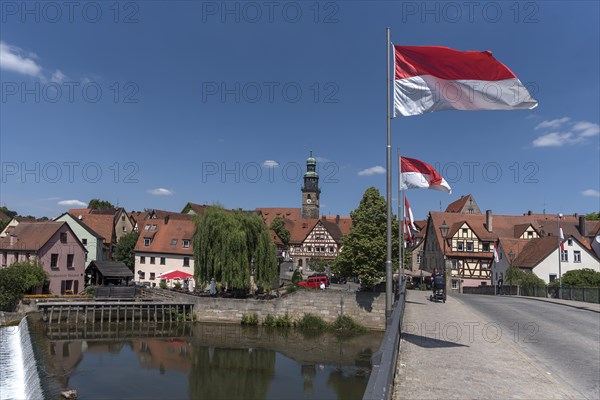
16	280
343	325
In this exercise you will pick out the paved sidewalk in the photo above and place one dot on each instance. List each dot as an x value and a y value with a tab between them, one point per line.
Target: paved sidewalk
447	351
571	303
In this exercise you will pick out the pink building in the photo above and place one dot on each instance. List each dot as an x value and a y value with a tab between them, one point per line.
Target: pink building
54	246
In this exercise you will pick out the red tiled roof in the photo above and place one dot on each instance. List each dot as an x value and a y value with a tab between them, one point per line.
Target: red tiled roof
30	235
458	205
535	251
164	234
102	224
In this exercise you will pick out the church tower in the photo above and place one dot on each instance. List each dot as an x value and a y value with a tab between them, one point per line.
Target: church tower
310	190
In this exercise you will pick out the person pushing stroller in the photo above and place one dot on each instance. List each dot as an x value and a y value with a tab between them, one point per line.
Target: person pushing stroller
438	281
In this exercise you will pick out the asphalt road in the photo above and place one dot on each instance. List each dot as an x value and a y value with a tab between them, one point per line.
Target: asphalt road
563	340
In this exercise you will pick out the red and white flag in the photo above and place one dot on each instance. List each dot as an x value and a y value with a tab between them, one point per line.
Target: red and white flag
409	214
408	237
415	174
436	78
496	257
562	239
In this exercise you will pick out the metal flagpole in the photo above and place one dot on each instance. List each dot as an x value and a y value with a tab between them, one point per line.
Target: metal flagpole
388	262
559	216
401	217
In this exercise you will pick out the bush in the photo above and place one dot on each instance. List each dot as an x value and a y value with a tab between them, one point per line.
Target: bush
16	280
284	321
162	284
250	319
177	285
270	320
89	291
311	321
296	277
345	325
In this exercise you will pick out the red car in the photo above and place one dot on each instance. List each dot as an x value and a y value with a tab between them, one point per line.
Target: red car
314	282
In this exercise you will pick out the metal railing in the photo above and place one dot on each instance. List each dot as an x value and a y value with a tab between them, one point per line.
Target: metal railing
587	294
384	361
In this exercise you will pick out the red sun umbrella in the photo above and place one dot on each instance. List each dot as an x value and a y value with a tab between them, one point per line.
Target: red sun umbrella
175	274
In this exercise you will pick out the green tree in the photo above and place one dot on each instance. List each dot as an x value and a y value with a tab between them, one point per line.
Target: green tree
278	226
363	250
593	216
9	213
225	243
124	249
516	276
97	204
16	280
320	264
581	277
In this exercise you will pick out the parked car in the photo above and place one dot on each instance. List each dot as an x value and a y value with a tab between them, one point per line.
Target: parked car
314	281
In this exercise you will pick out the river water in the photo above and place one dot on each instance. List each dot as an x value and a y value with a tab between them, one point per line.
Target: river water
200	361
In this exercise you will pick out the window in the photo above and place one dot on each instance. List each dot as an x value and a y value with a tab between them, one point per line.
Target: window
186	243
419	257
152	276
147	241
564	255
173	242
142	275
484	283
152	260
331	250
470	211
54	260
124	229
4	258
70	258
84	242
465	231
552	277
300	262
27	256
570	241
577	256
162	260
147	227
186	261
469	246
529	234
459	246
63	237
16	255
153	228
142	260
454	284
309	248
122	217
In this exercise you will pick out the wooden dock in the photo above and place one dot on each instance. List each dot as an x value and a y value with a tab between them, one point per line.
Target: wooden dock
80	312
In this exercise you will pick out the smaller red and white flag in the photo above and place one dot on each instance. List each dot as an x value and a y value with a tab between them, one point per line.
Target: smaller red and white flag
415	174
409	214
562	239
408	234
496	257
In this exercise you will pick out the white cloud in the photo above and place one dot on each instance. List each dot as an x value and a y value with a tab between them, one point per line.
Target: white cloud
58	77
573	133
586	129
322	159
12	59
72	203
554	139
553	123
161	192
270	164
591	193
378	169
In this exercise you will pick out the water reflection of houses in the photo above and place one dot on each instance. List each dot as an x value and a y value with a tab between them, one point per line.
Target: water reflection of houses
64	356
171	355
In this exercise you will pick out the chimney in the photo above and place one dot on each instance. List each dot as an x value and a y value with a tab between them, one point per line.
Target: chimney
488	220
581	226
166	219
337	219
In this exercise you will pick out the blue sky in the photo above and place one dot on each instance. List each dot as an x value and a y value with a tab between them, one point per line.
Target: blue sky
152	104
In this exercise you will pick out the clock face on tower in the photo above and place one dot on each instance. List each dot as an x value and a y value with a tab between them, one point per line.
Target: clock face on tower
308	201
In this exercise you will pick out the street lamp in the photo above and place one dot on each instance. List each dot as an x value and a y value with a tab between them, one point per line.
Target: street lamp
444	231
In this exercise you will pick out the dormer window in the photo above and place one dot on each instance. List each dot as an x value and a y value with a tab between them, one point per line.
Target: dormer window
465	231
174	242
152	228
570	242
147	241
529	234
186	243
147	227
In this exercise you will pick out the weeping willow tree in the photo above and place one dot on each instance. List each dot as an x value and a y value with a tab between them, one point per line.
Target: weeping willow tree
225	243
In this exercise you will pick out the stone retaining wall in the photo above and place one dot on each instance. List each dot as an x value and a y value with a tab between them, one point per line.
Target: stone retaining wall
365	308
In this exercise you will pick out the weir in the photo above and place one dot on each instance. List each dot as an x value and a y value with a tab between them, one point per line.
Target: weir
19	378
